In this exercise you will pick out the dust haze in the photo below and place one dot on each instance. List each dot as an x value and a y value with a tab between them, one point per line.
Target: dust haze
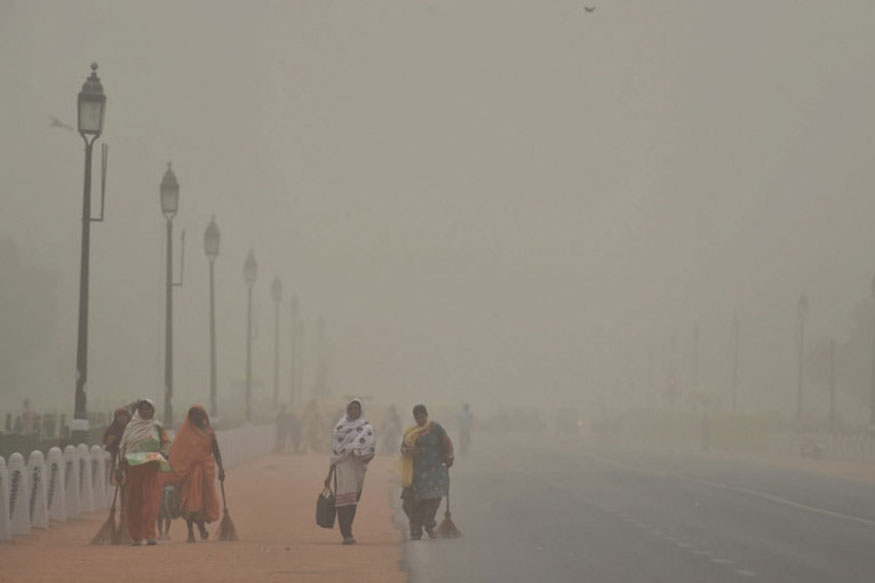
508	203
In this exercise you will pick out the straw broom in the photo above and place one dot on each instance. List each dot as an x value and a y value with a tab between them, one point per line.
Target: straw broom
227	530
447	528
122	536
106	534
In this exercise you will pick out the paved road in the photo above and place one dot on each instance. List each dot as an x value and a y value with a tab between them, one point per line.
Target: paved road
580	512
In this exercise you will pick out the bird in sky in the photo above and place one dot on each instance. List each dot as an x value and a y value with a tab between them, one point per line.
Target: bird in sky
56	123
589	8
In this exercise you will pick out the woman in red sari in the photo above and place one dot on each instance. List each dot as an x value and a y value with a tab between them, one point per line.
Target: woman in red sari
194	456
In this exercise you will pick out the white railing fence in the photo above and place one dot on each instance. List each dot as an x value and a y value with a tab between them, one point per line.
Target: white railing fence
59	486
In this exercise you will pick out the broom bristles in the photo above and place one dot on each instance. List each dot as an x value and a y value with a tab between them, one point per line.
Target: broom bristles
447	528
106	534
122	536
227	531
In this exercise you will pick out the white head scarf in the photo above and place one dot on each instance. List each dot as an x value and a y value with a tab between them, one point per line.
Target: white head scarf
138	429
352	437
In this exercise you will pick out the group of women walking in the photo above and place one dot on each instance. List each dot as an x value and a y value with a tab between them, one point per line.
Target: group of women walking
426	456
146	460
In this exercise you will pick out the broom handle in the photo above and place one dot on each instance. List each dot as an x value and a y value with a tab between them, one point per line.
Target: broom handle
224	504
114	496
448	490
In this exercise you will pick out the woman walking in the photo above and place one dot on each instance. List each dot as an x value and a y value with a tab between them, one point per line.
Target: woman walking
142	455
112	437
353	445
426	456
194	456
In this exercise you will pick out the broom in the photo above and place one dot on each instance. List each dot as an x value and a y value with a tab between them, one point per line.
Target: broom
447	528
106	534
227	530
122	536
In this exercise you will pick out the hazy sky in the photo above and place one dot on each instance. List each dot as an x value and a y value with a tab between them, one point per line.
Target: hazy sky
503	200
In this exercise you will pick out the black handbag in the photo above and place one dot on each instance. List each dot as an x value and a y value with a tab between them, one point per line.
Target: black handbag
325	509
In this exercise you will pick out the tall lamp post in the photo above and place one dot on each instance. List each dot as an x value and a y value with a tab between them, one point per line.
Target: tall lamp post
250	273
91	109
169	190
211	248
802	312
276	292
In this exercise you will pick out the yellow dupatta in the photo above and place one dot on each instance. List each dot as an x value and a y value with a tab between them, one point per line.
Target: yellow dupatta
411	434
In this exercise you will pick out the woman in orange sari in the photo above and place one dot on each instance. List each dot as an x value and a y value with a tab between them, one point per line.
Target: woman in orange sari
194	456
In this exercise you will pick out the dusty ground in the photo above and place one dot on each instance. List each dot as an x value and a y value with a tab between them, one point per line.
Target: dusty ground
272	502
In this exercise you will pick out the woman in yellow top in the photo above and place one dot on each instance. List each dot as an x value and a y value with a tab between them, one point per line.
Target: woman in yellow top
426	456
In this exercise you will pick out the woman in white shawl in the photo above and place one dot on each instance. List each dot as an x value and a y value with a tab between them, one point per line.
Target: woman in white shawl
142	455
353	445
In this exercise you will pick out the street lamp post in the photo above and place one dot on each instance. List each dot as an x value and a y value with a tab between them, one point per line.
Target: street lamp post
276	292
250	273
802	312
91	109
211	248
169	190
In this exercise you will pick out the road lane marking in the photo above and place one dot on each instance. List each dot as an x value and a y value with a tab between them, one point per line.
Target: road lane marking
721	561
745	573
740	490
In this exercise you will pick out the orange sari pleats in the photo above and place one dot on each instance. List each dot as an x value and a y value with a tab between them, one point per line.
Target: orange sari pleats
194	470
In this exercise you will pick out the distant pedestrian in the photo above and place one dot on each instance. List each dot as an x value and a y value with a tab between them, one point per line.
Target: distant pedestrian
112	437
143	455
194	456
353	445
426	455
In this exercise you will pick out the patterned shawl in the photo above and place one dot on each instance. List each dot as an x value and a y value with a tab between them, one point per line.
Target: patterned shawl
352	437
142	441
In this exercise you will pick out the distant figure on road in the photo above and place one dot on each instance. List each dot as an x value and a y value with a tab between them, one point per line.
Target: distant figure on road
353	445
391	429
426	456
194	456
112	437
143	454
465	422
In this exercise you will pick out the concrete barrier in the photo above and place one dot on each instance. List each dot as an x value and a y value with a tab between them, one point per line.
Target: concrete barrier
86	487
36	472
71	481
19	495
55	494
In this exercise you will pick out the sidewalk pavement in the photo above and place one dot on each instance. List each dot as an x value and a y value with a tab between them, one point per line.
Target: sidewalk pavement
272	503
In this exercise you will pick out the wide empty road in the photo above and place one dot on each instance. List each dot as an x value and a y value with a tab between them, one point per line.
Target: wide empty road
577	511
